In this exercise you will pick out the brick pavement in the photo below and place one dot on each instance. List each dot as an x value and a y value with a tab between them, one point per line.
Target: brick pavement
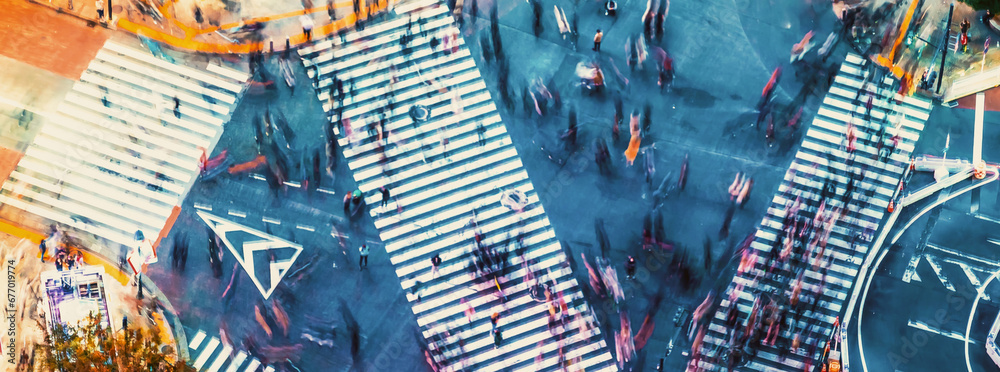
39	37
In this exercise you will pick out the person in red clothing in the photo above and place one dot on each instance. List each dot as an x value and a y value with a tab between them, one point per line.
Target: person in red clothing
666	77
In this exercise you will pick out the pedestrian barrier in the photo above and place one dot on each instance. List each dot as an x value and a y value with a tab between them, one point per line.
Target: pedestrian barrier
118	156
826	279
446	178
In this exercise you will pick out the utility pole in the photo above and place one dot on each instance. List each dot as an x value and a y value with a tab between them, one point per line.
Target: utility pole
944	50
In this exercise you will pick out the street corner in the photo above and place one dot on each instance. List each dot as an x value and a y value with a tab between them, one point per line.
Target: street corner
73	288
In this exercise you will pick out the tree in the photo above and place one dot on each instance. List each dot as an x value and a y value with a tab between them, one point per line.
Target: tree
90	347
992	5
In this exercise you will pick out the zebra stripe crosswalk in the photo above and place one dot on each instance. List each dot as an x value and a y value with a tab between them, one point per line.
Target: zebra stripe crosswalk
442	173
209	354
822	158
124	146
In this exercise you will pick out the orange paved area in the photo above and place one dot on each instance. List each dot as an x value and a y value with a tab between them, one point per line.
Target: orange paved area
8	161
188	40
992	100
40	37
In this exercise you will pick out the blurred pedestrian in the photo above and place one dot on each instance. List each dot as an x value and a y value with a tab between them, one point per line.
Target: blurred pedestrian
630	268
598	36
536	11
100	10
307	26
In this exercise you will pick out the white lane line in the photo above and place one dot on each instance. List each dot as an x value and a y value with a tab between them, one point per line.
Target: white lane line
204	207
911	268
305	227
272	221
972	276
965	255
237	214
292	184
331	192
19	105
940	274
949	334
258	177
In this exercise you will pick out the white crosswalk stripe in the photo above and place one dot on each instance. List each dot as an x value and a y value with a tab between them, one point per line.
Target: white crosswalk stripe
437	185
116	157
209	354
823	158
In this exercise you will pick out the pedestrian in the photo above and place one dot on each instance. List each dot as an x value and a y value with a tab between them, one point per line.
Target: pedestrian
602	156
661	17
331	10
536	10
435	263
630	268
481	130
198	16
177	107
363	263
469	310
497	338
646	121
100	10
570	134
385	195
41	247
597	40
307	26
53	242
494	319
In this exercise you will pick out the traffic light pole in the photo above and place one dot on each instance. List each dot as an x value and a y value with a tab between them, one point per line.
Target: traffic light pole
944	51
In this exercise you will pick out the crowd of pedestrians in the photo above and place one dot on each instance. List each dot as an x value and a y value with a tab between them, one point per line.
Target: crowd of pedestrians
784	312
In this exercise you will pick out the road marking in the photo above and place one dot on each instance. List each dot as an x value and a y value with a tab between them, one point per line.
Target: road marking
237	214
949	334
986	218
972	277
22	106
248	241
271	221
911	268
965	255
306	228
331	192
292	184
940	274
204	207
258	177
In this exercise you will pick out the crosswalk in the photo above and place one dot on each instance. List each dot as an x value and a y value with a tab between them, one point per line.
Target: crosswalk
124	147
442	173
209	354
822	158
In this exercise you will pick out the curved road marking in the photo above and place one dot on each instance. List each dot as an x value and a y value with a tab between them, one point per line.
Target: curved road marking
968	327
187	41
871	275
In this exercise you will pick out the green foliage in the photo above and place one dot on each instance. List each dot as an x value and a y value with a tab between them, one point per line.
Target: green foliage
90	347
991	5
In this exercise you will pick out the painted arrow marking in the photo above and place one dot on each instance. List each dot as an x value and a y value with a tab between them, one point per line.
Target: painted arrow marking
245	243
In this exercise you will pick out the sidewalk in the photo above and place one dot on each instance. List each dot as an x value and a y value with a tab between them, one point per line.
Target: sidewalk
121	292
919	48
175	23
